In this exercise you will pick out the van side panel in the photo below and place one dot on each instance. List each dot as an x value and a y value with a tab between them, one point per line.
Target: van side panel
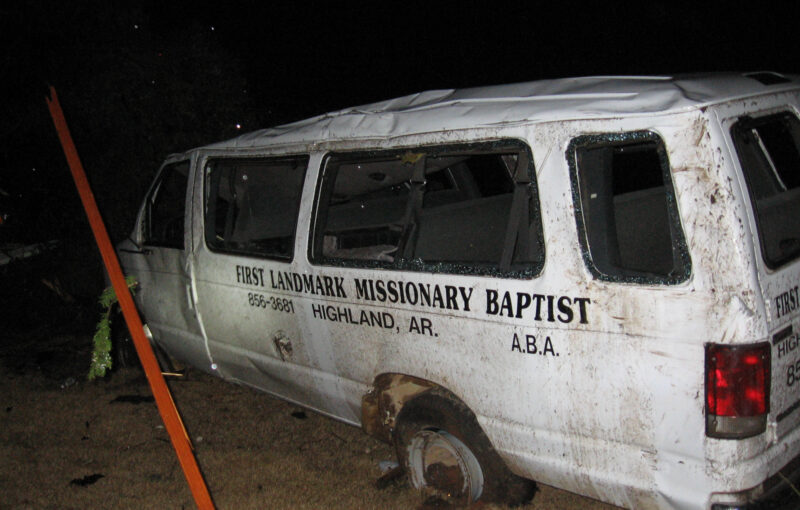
587	385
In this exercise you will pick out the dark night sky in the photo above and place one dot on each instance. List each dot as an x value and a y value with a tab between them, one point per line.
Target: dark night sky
324	58
315	59
303	58
298	59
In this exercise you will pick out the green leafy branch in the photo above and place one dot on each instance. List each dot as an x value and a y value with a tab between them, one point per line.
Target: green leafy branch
101	353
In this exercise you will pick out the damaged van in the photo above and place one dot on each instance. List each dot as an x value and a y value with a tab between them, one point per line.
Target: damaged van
590	283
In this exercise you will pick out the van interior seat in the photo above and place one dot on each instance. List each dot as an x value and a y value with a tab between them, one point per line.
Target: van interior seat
643	234
267	217
468	231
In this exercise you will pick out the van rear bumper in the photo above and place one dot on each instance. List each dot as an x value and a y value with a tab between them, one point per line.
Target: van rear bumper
779	492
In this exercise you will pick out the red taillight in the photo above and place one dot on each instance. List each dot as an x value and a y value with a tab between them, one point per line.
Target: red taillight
737	389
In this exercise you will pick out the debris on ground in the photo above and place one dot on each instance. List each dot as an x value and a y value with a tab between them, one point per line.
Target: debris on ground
86	480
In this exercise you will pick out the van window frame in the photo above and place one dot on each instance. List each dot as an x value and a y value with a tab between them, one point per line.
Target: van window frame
304	158
750	120
324	187
154	195
682	265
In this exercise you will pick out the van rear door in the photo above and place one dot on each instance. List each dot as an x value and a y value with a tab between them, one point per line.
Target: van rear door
768	148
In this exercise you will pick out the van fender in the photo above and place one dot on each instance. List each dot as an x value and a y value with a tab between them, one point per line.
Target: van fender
381	404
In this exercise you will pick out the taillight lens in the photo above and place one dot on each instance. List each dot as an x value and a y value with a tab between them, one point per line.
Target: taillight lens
737	389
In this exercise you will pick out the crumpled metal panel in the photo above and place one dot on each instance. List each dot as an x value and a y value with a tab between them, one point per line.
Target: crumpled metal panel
539	101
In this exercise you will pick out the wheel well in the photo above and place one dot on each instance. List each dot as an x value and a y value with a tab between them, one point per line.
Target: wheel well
458	432
381	405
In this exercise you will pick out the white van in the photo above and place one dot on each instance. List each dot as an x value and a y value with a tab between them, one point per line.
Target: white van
591	283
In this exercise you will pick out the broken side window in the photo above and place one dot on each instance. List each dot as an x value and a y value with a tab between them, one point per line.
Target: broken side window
465	209
769	152
252	205
166	207
625	209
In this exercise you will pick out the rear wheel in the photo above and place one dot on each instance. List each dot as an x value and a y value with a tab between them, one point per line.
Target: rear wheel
443	450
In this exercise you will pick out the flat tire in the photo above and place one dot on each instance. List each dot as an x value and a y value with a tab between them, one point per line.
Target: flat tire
444	451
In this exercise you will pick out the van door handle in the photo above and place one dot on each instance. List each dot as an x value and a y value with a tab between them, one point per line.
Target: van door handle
283	345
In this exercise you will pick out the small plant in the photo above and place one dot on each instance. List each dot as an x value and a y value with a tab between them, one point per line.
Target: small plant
101	353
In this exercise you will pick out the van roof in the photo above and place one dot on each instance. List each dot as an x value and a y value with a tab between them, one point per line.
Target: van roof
530	102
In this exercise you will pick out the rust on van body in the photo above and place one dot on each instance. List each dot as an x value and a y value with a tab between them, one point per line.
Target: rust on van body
381	405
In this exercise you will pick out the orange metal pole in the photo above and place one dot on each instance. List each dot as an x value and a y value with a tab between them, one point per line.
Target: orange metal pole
166	406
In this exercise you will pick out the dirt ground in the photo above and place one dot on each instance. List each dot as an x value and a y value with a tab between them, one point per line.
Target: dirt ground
67	443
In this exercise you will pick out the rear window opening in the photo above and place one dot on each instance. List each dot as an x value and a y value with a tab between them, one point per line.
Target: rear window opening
769	152
626	210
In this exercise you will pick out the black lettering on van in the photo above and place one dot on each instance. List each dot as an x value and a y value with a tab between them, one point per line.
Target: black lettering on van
564	309
548	347
550	317
526	347
465	297
529	345
582	302
491	303
523	302
505	305
390	292
365	290
787	346
330	286
248	275
451	293
346	315
443	297
308	284
421	326
425	295
438	301
515	343
787	302
785	341
543	307
276	285
539	298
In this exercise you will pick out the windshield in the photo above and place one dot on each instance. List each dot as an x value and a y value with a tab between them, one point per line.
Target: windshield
769	151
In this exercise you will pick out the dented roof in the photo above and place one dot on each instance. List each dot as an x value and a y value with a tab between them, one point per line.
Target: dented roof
530	102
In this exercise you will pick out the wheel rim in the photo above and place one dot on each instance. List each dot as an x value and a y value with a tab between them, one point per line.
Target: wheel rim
440	461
